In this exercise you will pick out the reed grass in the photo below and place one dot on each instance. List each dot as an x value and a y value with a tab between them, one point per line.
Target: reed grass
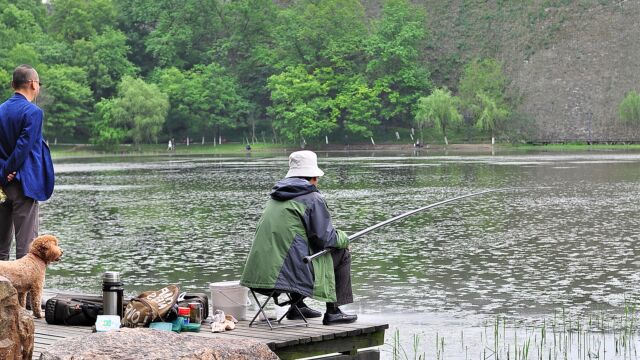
563	336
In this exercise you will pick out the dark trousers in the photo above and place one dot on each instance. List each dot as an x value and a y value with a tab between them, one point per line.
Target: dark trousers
19	217
342	270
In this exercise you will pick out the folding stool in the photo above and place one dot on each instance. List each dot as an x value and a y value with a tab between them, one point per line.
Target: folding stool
274	294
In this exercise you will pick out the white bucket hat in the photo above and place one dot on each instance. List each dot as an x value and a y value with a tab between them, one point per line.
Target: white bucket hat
304	164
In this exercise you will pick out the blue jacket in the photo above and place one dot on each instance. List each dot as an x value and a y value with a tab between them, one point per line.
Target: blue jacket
22	148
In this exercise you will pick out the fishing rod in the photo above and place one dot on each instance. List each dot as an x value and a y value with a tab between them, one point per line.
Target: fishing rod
309	258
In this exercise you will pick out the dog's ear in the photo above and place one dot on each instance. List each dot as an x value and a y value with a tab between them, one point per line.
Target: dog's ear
46	248
39	247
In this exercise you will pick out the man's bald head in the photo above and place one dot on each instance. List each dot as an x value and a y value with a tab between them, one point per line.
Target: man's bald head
23	75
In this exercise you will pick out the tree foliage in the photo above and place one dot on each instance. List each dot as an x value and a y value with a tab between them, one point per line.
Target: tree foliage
302	108
482	76
106	132
139	110
302	69
629	108
394	65
439	109
327	33
18	24
66	99
104	56
357	105
483	93
207	98
73	20
491	113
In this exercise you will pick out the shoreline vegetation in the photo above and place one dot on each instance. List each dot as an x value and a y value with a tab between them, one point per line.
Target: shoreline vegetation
88	150
593	335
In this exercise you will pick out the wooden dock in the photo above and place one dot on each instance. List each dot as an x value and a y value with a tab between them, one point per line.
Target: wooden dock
349	341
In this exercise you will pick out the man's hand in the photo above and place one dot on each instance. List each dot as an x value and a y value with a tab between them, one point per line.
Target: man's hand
11	176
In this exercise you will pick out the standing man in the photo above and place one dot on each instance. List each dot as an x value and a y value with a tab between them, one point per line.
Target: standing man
26	169
296	223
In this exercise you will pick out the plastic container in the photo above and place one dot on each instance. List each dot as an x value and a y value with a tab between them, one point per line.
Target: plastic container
191	327
184	312
230	297
195	314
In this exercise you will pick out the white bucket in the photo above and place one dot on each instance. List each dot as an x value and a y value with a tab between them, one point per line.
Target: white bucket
230	297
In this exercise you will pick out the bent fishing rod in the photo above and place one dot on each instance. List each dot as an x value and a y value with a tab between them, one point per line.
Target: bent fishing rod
309	258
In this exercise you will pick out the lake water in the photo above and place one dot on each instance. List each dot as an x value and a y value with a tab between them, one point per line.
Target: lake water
563	236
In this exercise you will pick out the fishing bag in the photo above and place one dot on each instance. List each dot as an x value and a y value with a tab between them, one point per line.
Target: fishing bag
150	306
75	311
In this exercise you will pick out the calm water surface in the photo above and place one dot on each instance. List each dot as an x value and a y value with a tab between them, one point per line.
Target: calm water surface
565	236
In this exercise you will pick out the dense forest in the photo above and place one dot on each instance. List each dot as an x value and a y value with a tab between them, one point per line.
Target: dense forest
295	71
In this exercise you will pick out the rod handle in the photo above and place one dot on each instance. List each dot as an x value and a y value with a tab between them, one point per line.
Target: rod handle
309	258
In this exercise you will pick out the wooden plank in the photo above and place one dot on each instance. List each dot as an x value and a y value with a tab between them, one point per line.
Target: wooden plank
275	337
339	345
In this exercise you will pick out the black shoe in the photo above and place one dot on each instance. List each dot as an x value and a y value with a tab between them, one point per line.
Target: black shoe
306	311
338	318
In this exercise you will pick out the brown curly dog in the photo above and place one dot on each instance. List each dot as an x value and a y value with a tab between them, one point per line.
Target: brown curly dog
27	274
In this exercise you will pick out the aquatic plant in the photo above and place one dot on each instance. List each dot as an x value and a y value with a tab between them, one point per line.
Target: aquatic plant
597	335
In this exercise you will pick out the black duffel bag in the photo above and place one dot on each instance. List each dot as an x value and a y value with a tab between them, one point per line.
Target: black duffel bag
73	311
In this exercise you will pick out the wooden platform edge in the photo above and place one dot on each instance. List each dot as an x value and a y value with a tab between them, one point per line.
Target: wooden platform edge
287	343
344	345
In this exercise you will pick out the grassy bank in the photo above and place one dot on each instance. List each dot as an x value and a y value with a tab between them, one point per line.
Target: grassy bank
574	147
63	151
84	150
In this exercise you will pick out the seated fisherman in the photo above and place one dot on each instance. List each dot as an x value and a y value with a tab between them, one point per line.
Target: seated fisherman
296	223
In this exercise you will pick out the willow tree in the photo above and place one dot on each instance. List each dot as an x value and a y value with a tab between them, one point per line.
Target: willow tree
629	108
483	88
139	111
440	109
491	112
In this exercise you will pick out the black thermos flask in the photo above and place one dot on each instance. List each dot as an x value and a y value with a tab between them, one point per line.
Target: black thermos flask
112	292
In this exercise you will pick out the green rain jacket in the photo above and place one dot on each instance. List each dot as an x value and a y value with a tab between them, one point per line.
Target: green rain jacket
295	223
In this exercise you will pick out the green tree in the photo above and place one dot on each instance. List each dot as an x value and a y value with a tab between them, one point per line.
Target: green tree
66	99
73	20
215	100
183	32
327	33
52	51
22	54
491	113
482	76
204	100
629	108
482	90
140	109
174	83
301	106
104	57
18	25
36	7
319	44
394	67
440	109
245	48
358	105
5	87
106	131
